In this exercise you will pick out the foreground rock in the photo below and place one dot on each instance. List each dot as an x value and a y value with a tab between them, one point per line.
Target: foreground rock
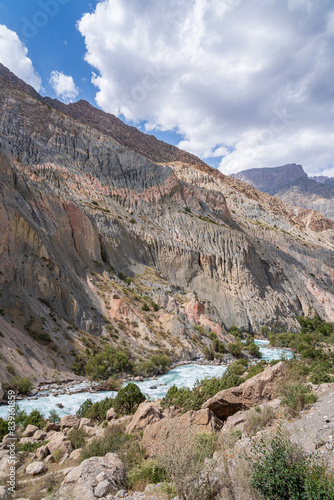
146	414
246	395
93	478
35	468
192	421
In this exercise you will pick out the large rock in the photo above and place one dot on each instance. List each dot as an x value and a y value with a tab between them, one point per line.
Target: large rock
93	478
192	421
246	395
69	421
35	468
146	414
59	440
30	430
2	392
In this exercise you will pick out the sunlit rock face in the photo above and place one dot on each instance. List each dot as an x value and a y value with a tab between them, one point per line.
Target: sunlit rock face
78	207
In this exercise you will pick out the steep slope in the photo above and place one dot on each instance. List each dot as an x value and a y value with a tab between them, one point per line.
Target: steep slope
292	185
307	193
78	208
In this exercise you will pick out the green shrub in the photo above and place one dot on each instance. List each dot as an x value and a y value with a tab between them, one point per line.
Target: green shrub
193	399
128	399
145	307
297	396
115	441
3	428
95	411
234	348
23	384
34	418
54	417
281	471
256	369
84	407
105	363
147	472
29	447
77	438
254	350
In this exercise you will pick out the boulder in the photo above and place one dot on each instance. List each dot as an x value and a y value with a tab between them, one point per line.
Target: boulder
69	421
75	455
40	435
50	426
111	414
192	421
246	395
42	452
59	440
30	431
85	421
35	468
2	393
146	414
85	482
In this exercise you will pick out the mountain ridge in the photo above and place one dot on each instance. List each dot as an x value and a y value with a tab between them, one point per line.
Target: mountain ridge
291	184
81	213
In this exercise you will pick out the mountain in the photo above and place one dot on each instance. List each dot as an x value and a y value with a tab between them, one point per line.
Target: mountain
292	185
271	180
132	243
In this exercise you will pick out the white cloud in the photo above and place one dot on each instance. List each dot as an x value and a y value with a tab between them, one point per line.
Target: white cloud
14	55
249	80
63	86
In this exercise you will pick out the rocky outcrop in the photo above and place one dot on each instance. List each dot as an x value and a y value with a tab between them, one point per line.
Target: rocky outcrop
192	421
146	414
246	395
94	478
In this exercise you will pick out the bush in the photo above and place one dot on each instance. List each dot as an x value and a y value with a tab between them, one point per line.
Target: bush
84	407
193	399
95	411
128	399
54	417
3	428
257	419
280	471
77	438
234	348
156	365
187	460
34	418
254	350
297	396
145	307
23	384
104	364
115	441
147	472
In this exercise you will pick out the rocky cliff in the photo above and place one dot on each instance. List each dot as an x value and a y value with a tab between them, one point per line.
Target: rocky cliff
81	212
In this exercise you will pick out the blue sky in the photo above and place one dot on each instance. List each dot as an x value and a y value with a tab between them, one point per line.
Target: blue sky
240	83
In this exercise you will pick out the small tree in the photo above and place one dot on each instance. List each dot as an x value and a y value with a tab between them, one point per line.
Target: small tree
54	417
128	399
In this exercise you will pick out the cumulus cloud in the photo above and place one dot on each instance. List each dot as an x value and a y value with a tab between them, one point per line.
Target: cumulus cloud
250	82
14	55
63	86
